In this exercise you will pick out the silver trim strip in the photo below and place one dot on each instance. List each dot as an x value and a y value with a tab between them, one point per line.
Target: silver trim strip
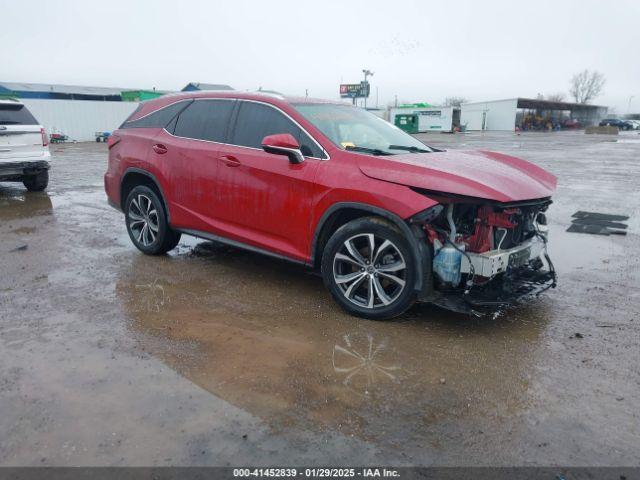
328	157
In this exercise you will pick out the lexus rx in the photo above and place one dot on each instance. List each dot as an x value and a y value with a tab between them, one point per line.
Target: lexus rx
386	219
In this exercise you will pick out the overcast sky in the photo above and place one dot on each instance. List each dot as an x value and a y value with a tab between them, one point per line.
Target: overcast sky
419	51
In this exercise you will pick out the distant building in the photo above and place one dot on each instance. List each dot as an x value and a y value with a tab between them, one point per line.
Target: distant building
193	86
527	112
60	92
140	95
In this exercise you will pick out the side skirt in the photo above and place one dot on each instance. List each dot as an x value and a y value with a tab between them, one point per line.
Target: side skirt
240	245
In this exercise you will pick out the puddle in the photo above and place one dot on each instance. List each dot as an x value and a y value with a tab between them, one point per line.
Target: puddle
268	339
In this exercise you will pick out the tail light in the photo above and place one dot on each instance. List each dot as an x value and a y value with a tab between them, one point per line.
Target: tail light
45	137
113	140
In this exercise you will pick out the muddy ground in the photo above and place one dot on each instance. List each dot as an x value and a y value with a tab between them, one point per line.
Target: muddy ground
215	356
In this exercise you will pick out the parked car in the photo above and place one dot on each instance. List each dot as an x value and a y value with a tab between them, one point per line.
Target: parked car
571	123
24	150
386	219
616	122
635	123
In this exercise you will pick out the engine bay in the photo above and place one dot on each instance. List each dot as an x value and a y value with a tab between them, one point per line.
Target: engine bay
490	253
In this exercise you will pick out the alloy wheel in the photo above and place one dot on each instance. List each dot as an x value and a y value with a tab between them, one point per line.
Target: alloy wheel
369	270
143	220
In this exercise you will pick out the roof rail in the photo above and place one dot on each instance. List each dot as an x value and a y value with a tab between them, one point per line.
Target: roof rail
270	93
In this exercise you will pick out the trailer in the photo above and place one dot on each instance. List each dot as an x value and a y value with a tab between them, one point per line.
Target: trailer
429	118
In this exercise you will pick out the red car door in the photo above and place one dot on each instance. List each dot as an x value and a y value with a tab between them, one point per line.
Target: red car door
190	161
263	199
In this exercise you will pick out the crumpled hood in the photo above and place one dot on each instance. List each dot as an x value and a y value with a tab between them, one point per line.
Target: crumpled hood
482	174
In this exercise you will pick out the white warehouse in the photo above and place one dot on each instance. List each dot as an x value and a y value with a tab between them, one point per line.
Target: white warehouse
528	114
79	120
75	111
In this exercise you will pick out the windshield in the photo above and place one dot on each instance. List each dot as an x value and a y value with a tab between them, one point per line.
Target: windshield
352	128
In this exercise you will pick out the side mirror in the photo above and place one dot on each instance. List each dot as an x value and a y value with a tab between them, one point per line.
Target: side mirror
283	144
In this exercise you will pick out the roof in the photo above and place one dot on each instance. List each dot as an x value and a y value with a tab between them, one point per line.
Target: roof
260	94
551	105
152	105
415	105
206	86
66	89
541	104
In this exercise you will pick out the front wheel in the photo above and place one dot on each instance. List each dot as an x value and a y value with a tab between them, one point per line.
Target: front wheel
146	222
368	267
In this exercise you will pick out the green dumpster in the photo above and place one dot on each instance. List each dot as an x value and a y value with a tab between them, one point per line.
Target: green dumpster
407	122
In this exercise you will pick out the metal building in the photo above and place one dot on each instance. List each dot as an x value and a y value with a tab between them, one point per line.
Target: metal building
528	113
79	120
76	111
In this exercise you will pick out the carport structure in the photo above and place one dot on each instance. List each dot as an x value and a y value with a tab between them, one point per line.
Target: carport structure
529	114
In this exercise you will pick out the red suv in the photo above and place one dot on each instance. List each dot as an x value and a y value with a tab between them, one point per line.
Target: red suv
386	219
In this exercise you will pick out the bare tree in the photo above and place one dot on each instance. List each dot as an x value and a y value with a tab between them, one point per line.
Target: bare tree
555	97
454	101
586	85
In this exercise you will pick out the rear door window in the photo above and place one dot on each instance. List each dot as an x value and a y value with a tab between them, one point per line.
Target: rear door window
159	118
206	119
15	114
257	120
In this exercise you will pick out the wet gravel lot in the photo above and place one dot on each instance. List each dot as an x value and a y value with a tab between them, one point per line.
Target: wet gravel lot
215	356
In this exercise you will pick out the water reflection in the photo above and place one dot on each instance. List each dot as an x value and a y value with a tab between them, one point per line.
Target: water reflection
16	202
361	359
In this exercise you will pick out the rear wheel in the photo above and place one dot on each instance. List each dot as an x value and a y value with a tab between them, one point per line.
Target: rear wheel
37	182
147	224
368	267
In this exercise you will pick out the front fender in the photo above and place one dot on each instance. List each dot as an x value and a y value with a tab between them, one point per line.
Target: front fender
416	237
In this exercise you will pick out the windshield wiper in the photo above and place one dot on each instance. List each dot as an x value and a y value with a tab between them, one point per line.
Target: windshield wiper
411	149
373	151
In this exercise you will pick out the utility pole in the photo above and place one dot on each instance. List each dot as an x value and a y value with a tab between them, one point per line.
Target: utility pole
629	104
367	73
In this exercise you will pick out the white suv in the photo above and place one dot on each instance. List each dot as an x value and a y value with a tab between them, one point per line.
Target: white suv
24	147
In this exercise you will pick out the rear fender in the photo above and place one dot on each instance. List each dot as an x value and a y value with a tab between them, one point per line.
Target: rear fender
152	178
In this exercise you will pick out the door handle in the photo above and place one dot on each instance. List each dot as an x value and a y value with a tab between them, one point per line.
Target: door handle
159	148
230	161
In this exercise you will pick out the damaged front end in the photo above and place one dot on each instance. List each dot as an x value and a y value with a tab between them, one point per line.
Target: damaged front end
486	255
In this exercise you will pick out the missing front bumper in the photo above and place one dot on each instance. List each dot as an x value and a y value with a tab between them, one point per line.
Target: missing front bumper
509	289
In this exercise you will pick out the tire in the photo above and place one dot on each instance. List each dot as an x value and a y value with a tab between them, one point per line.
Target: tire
37	182
146	222
376	286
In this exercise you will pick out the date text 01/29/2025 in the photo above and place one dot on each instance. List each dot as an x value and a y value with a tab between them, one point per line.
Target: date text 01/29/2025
316	472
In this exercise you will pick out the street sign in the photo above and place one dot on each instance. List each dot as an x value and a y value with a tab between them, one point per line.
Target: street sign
355	90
